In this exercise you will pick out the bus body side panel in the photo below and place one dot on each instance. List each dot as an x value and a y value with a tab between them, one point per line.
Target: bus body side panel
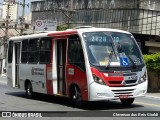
9	74
23	75
89	77
49	81
9	69
77	76
51	73
36	73
13	68
54	67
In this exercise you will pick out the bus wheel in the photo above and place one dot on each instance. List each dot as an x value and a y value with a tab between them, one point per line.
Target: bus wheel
77	97
29	90
127	102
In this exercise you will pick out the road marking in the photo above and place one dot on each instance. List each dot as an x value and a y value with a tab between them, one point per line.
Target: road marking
3	82
3	76
152	96
148	104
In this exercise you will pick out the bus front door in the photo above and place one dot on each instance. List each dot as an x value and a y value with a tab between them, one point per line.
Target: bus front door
17	57
61	61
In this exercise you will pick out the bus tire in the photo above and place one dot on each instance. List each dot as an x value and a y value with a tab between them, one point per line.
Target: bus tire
29	90
76	97
127	102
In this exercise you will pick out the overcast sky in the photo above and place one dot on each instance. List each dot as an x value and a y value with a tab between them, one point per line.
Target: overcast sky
27	10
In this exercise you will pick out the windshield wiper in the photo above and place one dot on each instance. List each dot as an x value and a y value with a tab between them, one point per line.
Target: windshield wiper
111	54
110	59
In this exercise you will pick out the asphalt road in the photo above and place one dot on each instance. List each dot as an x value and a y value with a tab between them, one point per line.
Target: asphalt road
15	100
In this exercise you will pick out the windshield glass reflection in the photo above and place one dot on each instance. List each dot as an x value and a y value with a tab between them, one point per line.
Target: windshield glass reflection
105	48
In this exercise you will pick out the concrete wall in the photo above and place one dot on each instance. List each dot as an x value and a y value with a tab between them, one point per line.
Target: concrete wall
82	4
92	4
120	14
150	4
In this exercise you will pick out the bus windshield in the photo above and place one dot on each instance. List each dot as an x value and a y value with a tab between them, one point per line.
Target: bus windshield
110	48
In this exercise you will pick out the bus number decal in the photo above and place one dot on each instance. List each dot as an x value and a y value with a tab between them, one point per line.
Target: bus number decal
37	71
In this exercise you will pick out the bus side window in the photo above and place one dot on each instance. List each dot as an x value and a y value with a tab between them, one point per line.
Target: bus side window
45	50
24	54
33	52
10	52
75	52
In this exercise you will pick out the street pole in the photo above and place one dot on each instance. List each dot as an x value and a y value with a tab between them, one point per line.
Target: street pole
7	21
6	38
6	31
22	18
70	13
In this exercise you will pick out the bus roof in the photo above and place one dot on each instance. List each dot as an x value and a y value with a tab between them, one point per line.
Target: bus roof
67	32
29	36
100	29
91	29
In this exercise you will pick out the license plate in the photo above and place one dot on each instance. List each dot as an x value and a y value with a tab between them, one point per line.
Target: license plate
133	77
123	96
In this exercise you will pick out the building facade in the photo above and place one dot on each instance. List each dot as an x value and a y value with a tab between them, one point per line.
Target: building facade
136	16
140	17
13	11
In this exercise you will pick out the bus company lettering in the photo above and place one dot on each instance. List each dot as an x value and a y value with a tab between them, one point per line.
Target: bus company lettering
37	71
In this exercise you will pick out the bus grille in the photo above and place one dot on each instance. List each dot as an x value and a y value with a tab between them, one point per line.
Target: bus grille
128	92
115	82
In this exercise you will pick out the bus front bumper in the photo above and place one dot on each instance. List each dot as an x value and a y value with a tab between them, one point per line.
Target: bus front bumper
102	92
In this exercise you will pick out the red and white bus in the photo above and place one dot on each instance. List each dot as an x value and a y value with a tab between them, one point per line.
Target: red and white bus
85	64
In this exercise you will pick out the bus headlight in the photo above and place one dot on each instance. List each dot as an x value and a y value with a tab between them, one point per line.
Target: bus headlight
143	78
98	80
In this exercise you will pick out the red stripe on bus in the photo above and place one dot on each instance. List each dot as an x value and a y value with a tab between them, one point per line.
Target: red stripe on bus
51	59
115	78
109	80
49	82
116	85
62	33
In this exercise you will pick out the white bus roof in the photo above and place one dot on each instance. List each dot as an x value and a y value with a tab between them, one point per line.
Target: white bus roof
81	30
100	29
29	36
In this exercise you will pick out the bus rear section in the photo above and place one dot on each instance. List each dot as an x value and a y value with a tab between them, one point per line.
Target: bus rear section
50	63
90	64
29	64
